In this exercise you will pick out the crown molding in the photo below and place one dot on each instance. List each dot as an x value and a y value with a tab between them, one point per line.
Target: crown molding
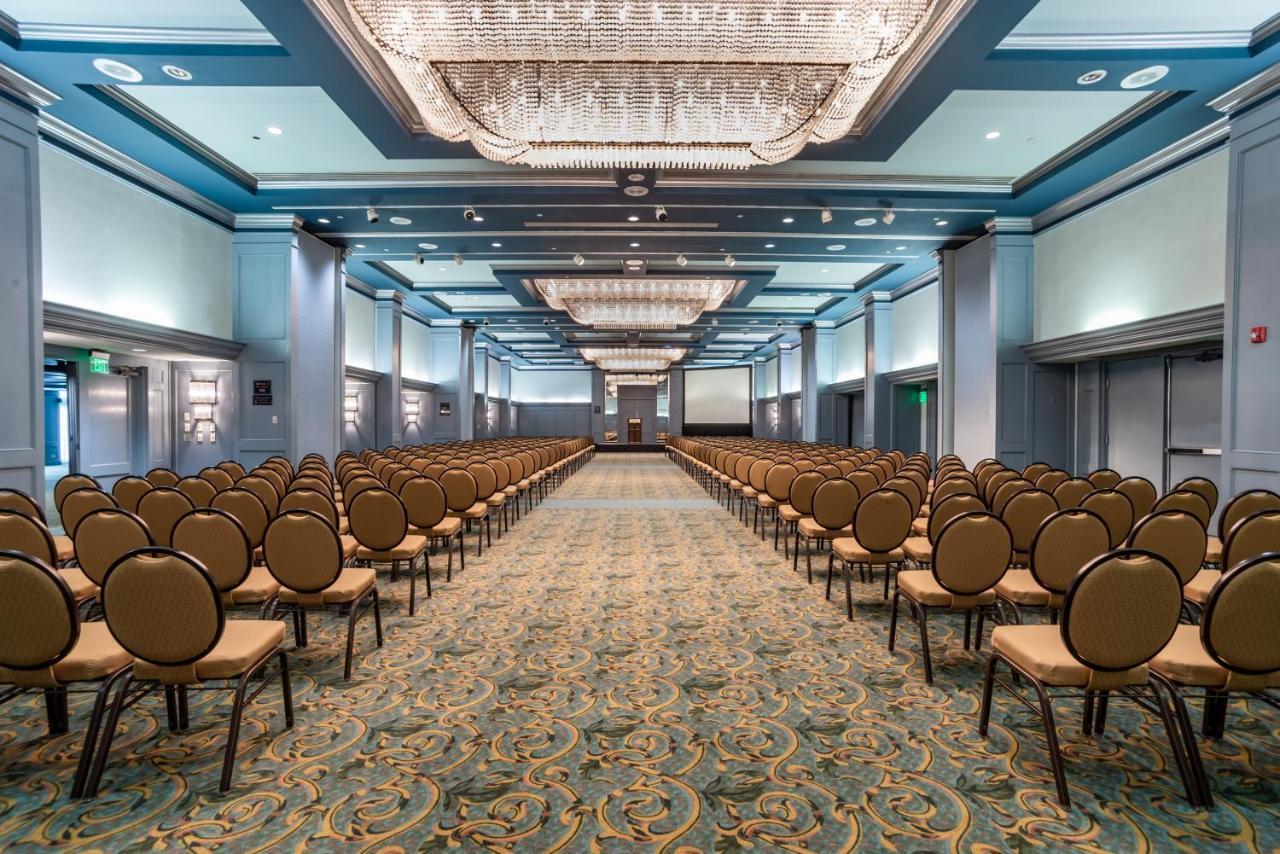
1009	225
848	386
920	282
874	297
92	324
107	34
782	180
415	315
26	90
1190	146
1185	327
268	222
351	372
389	294
417	385
432	180
361	288
915	374
1079	42
1248	93
56	131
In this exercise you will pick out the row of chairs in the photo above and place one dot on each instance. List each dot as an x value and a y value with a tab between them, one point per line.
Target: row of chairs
1113	565
164	583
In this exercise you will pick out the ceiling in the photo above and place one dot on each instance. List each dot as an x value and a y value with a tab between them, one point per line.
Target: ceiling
1007	68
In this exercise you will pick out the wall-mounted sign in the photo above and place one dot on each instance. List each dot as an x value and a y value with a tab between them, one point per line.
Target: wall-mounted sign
262	393
445	408
99	362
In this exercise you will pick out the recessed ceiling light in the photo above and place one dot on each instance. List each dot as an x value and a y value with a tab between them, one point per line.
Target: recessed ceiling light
139	349
633	218
900	248
636	191
865	222
635	245
825	270
770	245
274	131
1091	77
359	245
1144	77
496	245
401	220
824	295
443	269
993	134
787	220
427	246
836	247
176	72
539	216
941	222
118	70
323	221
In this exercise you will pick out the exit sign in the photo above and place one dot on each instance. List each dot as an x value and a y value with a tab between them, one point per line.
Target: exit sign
924	396
99	363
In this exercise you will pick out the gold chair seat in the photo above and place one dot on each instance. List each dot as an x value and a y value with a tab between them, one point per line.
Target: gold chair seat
922	586
1184	660
850	550
260	586
523	484
1198	588
920	527
344	527
810	528
1040	651
749	492
95	655
63	547
496	500
350	545
448	527
1213	553
767	500
82	586
918	549
787	513
243	643
476	511
1020	587
735	485
349	586
410	547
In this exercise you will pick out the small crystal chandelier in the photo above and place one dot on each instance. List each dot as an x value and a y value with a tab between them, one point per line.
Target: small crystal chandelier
644	304
619	83
633	358
615	380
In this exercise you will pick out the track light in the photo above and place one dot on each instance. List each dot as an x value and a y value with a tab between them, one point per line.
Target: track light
419	259
457	259
730	260
660	213
469	213
484	322
826	216
889	216
681	260
371	215
579	260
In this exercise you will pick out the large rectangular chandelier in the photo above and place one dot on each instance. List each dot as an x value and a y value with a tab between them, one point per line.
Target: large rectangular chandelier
642	304
633	359
626	83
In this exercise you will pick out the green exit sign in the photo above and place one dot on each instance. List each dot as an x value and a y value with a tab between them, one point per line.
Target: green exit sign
924	396
100	363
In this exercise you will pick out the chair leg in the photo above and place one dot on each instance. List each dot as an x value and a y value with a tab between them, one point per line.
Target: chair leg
233	733
922	617
448	569
830	564
1051	736
1187	734
171	706
286	688
462	552
848	593
968	628
351	639
988	685
91	732
808	557
184	709
108	735
893	621
55	704
413	586
377	616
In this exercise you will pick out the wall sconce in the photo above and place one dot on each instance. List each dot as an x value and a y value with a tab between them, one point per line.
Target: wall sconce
350	407
411	410
201	395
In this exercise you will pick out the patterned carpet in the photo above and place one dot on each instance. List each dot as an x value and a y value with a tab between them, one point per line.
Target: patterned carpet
641	675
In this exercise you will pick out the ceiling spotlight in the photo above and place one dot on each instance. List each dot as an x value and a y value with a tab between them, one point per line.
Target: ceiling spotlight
635	245
660	213
400	220
469	214
681	260
371	215
457	259
730	261
836	247
118	70
900	248
484	322
359	245
419	259
715	322
1144	77
889	216
323	221
496	245
993	134
826	216
579	260
787	220
770	245
633	218
427	246
176	72
274	131
941	222
1091	77
865	222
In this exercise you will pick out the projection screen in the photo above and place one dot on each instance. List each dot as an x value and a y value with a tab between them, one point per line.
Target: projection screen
717	395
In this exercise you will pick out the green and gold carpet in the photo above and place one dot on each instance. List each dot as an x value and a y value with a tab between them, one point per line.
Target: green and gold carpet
631	670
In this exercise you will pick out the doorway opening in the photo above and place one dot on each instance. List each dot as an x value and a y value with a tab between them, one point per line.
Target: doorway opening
59	438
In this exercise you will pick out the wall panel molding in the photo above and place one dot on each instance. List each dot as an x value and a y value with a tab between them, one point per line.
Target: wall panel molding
1184	327
91	324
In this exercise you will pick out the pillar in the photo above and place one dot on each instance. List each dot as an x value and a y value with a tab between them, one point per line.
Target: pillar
388	320
817	371
21	304
1251	383
946	350
993	302
287	310
466	356
446	347
878	397
675	402
597	405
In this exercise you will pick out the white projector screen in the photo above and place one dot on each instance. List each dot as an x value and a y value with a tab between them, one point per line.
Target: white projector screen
717	396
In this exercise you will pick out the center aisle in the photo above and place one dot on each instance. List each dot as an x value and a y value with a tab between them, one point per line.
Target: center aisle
628	669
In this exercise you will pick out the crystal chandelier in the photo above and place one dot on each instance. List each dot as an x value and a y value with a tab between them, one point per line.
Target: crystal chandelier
635	303
615	380
633	358
626	83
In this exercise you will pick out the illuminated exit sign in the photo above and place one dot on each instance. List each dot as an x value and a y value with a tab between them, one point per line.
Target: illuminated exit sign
924	396
99	363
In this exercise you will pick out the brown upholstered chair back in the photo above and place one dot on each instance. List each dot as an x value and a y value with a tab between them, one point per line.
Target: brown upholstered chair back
1141	494
38	622
302	551
1049	480
128	491
949	508
378	519
909	490
1034	470
1006	491
1202	486
27	535
486	480
20	502
1175	535
778	481
1251	537
1071	492
424	502
163	477
866	482
220	478
834	502
199	490
68	484
1067	541
309	499
882	520
161	508
248	510
1239	629
1243	505
1114	509
972	553
1024	513
802	490
219	542
105	535
81	502
233	468
162	606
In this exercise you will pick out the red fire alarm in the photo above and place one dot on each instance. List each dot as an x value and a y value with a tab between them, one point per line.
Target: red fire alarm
1258	335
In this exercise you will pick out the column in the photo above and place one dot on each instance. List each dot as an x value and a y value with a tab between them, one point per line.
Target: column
481	391
946	349
675	402
878	397
388	320
597	405
993	301
1251	383
817	371
446	345
466	382
504	393
287	309
21	304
